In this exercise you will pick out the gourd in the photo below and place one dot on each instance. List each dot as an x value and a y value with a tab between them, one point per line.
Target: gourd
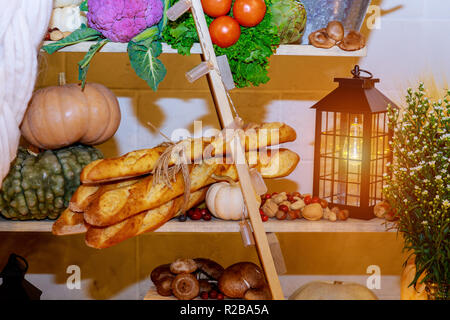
225	201
62	115
337	290
40	186
67	18
410	292
65	3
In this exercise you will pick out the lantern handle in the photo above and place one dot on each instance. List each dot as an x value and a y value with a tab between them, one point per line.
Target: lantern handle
357	71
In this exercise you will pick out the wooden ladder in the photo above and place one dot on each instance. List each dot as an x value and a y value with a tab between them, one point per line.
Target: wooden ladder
223	109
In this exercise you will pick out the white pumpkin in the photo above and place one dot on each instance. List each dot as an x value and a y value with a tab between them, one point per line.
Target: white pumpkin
225	201
65	3
67	18
337	290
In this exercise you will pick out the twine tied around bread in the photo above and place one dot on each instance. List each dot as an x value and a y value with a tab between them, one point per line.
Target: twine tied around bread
178	153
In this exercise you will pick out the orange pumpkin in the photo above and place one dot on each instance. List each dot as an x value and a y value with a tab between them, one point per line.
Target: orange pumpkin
62	115
409	292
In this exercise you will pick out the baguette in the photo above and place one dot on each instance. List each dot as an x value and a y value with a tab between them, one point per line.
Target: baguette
100	238
69	222
141	162
85	193
112	206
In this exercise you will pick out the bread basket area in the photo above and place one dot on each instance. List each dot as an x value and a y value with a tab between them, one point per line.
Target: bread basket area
229	152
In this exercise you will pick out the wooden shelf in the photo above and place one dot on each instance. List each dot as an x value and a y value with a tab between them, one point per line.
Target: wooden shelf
286	50
216	225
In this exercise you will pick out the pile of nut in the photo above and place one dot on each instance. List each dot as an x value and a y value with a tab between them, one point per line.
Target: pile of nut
55	34
293	205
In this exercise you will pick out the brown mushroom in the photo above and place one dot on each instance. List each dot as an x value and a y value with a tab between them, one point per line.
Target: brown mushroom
335	30
164	286
183	266
354	40
262	293
185	286
209	267
160	272
205	285
238	278
320	39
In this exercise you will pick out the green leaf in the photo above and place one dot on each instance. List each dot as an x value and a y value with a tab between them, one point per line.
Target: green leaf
147	34
83	65
84	6
144	61
162	24
80	35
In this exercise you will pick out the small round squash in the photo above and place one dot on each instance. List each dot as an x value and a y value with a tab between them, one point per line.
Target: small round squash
63	115
225	201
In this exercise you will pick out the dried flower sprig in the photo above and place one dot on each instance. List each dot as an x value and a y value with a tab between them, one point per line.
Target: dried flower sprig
419	185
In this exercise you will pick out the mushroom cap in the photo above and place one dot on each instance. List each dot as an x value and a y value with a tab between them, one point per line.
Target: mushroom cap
262	293
354	40
238	278
335	30
185	286
160	272
183	266
320	39
209	267
205	285
164	286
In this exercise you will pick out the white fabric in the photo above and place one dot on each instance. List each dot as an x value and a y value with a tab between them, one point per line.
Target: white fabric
23	24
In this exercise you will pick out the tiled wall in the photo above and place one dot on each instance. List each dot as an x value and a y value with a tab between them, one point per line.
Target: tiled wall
409	46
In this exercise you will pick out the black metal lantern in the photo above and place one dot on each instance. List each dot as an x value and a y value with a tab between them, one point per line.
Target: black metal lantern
352	145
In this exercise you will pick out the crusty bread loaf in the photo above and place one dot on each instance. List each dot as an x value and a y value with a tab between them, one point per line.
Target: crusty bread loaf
85	193
81	196
141	162
112	206
104	237
69	222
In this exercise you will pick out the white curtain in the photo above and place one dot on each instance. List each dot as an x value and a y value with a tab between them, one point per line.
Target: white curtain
23	24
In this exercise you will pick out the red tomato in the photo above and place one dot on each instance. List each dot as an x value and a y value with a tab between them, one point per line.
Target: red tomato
307	200
225	31
216	8
249	12
315	199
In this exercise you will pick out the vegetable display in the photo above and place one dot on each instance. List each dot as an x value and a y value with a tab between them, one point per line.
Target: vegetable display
225	201
248	57
216	8
40	186
67	19
290	18
224	31
249	12
120	21
62	115
336	290
138	22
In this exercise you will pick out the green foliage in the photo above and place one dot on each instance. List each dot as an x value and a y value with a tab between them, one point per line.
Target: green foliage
419	188
143	51
80	35
248	57
83	65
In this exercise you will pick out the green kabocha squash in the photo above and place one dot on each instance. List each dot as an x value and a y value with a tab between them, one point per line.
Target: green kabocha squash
40	186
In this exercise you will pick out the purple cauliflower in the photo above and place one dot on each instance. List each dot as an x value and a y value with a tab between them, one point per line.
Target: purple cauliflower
121	20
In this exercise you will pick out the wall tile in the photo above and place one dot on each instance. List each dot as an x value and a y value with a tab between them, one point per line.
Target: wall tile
49	68
170	111
126	137
437	9
400	9
106	274
114	70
